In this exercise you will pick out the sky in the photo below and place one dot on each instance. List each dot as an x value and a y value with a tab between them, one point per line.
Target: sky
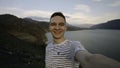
76	11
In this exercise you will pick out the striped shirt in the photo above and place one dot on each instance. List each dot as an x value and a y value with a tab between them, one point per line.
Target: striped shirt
62	55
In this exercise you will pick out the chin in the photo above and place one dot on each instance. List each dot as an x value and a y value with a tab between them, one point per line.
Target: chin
57	37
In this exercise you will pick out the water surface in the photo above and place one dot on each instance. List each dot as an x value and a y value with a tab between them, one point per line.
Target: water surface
106	42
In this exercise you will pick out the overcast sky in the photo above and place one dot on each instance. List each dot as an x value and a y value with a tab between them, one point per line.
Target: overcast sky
76	11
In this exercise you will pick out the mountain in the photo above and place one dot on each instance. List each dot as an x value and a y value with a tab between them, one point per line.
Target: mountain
113	24
22	43
23	29
72	27
38	18
83	25
27	29
46	24
42	24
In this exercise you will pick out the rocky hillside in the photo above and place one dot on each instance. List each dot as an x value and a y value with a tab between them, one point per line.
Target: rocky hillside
113	24
17	53
23	29
22	43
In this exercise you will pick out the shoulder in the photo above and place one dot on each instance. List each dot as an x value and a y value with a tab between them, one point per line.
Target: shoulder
77	45
75	42
49	45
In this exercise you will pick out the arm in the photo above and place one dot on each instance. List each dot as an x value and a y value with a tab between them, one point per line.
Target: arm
89	60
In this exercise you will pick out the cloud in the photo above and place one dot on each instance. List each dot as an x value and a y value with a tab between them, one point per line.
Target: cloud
24	13
12	10
115	3
109	16
38	18
37	13
97	0
83	8
72	18
82	18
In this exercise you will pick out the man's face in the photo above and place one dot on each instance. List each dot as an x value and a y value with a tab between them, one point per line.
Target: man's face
57	27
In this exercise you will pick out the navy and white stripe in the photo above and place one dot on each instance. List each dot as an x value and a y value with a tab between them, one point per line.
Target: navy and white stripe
62	55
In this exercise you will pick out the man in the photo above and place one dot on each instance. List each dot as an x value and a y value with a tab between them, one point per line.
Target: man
63	53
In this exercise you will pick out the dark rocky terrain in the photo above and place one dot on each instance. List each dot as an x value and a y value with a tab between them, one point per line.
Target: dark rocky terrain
22	43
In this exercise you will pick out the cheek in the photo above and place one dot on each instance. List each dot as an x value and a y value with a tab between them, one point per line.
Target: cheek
50	28
64	28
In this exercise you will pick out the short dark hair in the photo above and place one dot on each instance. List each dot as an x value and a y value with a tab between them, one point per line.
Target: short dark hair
57	14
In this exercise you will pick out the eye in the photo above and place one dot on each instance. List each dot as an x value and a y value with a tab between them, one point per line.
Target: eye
52	24
61	24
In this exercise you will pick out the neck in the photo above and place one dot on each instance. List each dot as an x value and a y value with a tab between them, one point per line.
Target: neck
57	41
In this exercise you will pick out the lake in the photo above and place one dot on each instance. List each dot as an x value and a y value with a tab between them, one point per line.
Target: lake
106	42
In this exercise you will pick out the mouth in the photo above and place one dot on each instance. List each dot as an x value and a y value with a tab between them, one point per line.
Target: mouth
57	32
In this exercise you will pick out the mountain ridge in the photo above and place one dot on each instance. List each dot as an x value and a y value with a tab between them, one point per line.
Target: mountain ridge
22	43
112	24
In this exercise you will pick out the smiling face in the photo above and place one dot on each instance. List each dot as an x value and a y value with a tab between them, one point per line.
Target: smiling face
57	27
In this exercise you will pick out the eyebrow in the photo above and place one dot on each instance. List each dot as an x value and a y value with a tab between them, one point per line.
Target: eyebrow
56	23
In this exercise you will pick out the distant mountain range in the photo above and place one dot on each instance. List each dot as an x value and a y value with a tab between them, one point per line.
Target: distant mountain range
38	18
113	24
45	24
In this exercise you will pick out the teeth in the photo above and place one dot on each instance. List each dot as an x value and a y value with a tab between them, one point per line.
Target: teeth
57	32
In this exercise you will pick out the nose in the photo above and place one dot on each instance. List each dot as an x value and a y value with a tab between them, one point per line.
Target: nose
57	27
